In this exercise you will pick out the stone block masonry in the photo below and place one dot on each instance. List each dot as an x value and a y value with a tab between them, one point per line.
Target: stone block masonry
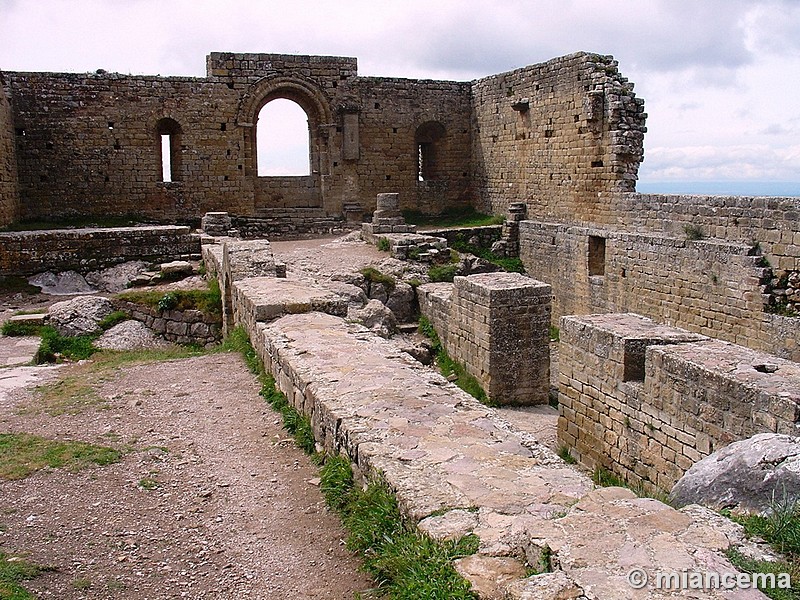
497	325
84	250
445	455
647	401
180	326
9	190
707	286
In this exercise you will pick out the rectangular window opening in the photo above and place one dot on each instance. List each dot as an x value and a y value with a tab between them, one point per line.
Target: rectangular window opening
597	256
166	158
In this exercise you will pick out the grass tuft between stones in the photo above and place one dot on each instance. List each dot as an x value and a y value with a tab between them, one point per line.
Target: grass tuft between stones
448	366
405	563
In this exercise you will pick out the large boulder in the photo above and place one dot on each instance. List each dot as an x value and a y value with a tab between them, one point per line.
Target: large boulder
402	302
751	475
376	317
130	335
65	283
117	278
79	316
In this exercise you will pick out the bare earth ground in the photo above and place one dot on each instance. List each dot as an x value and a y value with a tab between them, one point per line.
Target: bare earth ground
235	512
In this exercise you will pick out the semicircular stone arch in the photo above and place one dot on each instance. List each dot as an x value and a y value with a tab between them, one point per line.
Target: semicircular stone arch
308	96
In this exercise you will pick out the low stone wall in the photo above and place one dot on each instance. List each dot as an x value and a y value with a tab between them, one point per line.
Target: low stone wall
497	325
708	286
179	326
483	237
290	223
83	250
647	401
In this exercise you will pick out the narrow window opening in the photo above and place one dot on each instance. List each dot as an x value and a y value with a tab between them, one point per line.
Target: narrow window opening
230	85
169	149
423	161
429	140
597	163
166	158
19	131
223	126
597	255
283	140
111	125
377	105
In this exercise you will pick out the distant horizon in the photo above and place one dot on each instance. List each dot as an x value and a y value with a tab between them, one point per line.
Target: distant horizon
721	188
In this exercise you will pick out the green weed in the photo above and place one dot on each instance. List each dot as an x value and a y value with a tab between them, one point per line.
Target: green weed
565	455
373	275
18	329
383	244
443	273
453	217
406	564
13	571
22	454
55	346
115	318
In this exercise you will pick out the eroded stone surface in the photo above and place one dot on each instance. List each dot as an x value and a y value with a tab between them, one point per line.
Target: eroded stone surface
441	450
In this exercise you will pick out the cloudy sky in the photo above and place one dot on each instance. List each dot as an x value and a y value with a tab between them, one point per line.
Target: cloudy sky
721	78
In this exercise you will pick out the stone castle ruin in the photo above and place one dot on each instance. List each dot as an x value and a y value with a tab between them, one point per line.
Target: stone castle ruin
677	314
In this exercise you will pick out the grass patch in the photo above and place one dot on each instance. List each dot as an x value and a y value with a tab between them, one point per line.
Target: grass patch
68	396
777	568
373	275
17	285
693	232
383	244
207	301
605	478
439	273
565	455
115	318
19	329
448	366
452	217
512	265
22	454
406	564
13	571
780	528
55	346
555	333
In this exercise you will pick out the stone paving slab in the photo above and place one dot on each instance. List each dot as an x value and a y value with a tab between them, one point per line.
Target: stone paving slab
17	350
457	466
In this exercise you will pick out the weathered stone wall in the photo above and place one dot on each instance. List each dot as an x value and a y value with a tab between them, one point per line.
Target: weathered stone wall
554	135
770	222
180	326
706	286
647	401
91	143
9	192
83	250
496	324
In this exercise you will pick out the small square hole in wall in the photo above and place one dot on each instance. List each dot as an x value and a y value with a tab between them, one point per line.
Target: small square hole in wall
230	85
19	131
377	105
394	129
388	177
633	360
223	126
597	163
49	145
597	256
111	124
335	164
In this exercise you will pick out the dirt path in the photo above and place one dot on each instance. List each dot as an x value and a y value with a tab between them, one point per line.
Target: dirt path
211	500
